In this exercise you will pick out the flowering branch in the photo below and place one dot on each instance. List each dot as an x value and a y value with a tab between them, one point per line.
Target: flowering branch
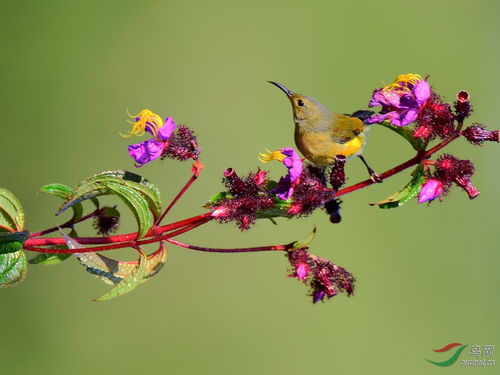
409	107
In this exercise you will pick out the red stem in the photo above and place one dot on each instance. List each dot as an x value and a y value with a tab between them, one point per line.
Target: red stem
67	224
32	242
179	194
131	243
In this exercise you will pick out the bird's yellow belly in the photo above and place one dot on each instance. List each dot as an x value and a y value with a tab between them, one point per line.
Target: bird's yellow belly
320	149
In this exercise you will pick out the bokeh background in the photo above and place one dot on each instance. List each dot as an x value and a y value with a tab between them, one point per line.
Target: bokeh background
426	276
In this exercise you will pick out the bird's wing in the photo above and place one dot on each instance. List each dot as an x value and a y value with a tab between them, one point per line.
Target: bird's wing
346	128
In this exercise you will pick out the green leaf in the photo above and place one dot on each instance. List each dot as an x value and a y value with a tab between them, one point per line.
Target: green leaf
411	189
300	244
113	271
217	198
12	269
129	283
48	259
407	133
11	242
137	204
125	276
11	212
64	192
142	197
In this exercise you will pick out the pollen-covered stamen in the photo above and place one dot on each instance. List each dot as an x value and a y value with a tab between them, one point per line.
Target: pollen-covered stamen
145	119
272	155
404	82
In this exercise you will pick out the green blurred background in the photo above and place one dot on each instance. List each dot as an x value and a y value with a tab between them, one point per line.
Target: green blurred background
427	276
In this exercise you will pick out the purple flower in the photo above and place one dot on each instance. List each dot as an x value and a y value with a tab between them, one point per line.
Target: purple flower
151	149
165	131
401	100
430	190
292	161
146	151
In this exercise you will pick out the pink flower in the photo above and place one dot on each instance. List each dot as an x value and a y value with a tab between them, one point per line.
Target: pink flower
430	191
401	100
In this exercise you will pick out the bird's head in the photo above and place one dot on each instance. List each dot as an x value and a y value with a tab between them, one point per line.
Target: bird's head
306	110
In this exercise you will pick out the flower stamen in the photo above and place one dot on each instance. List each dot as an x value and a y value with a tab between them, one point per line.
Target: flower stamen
145	119
403	81
274	155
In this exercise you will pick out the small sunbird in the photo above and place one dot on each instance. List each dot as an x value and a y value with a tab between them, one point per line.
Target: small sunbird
321	135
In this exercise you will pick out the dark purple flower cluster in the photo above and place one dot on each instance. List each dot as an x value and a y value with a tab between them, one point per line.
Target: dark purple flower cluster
325	278
182	145
310	193
298	193
337	173
435	118
449	169
246	196
106	221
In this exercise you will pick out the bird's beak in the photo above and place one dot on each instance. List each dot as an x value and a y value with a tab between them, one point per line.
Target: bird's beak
283	88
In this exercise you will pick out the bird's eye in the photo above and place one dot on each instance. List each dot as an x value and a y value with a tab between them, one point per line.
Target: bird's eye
300	103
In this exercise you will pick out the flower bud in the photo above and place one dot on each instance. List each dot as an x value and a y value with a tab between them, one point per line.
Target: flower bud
477	134
462	105
430	191
464	183
337	174
220	212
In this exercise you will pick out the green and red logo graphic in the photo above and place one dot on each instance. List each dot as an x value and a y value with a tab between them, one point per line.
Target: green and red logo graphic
446	349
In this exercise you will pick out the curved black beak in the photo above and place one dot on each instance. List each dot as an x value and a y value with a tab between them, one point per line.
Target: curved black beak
283	88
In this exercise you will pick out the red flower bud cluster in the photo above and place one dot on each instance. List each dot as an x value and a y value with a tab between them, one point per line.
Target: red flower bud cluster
449	169
182	145
310	193
247	196
435	119
325	278
337	173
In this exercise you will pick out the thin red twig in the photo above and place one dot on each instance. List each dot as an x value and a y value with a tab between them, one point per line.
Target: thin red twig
399	168
233	250
177	197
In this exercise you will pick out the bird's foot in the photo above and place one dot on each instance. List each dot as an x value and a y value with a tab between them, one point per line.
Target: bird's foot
376	178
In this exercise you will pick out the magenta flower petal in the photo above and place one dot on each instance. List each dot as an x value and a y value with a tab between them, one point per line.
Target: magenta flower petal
430	191
146	151
422	92
400	101
302	271
165	132
293	163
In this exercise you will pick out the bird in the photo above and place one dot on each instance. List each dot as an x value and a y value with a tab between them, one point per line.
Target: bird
322	135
